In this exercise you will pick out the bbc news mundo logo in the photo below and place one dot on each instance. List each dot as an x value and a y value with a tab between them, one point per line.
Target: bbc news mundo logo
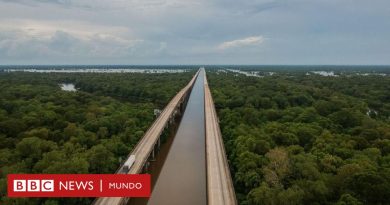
78	185
33	185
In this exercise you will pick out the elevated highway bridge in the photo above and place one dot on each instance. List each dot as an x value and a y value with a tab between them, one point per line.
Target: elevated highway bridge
220	189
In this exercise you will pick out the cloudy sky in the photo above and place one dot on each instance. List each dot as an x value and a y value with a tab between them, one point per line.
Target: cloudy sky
195	32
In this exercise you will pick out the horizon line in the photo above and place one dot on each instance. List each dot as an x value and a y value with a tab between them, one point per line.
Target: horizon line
194	64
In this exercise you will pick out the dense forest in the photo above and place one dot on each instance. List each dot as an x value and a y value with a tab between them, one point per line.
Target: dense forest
292	137
44	129
298	138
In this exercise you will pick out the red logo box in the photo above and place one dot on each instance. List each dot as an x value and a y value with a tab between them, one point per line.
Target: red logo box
78	185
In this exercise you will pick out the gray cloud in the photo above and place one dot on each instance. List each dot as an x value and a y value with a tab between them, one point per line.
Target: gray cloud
65	46
249	41
194	31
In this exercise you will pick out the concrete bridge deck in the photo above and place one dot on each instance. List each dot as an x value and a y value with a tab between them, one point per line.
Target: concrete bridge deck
220	190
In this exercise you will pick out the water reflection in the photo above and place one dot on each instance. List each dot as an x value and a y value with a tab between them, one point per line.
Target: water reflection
68	87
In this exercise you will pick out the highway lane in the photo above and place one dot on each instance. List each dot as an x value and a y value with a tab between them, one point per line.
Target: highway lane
219	182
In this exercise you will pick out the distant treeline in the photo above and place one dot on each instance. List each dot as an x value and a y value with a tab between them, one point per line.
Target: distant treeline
296	69
65	67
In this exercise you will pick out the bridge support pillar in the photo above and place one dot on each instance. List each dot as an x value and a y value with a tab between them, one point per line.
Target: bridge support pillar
153	155
146	167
